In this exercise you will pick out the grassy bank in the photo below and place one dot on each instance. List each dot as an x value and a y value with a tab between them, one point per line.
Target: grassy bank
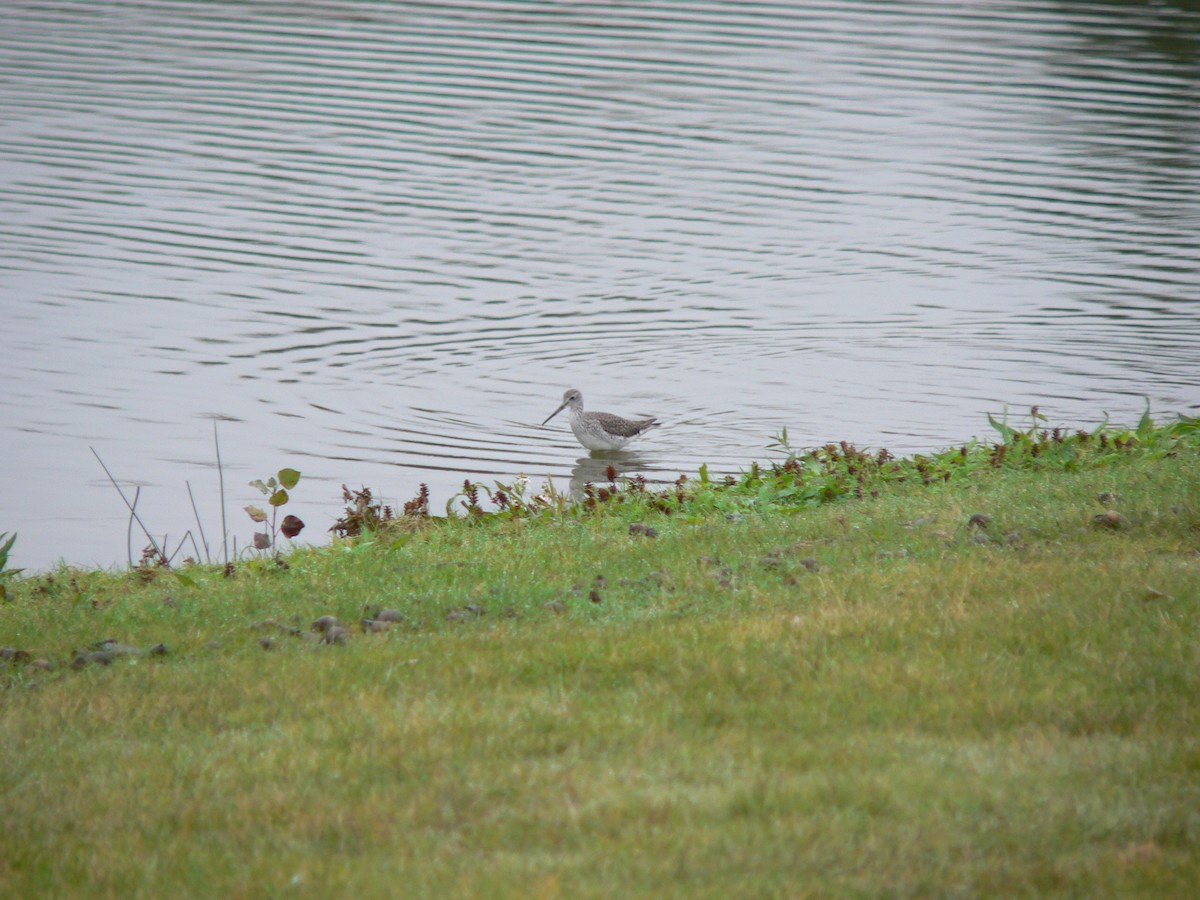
869	677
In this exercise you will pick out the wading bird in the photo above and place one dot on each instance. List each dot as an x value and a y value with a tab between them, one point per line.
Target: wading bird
600	430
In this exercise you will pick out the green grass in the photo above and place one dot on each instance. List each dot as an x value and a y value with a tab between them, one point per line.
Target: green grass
866	697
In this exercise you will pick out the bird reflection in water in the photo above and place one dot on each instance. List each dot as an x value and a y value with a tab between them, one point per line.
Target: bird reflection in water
595	468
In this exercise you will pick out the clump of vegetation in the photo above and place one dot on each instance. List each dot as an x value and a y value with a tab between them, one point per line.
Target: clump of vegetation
809	478
507	501
364	514
155	557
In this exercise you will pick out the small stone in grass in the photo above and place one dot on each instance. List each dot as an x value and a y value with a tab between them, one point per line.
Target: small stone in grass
324	623
334	634
643	529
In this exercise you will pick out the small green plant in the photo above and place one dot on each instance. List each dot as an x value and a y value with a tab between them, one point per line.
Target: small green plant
275	489
6	574
780	443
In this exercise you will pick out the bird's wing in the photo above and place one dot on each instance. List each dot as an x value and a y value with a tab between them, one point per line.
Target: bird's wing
623	427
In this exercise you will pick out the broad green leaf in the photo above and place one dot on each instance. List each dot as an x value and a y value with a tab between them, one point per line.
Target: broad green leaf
288	478
258	483
279	498
185	580
1006	432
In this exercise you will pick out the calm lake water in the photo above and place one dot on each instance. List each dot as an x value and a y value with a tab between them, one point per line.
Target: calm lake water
377	241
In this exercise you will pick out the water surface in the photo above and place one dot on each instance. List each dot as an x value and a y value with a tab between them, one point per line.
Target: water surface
377	241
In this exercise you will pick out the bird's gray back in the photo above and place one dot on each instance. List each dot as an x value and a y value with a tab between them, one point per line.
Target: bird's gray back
619	426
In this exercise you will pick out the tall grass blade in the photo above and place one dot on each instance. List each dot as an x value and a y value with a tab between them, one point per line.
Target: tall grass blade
1145	426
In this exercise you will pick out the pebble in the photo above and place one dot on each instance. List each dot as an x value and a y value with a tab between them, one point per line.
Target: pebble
324	623
334	634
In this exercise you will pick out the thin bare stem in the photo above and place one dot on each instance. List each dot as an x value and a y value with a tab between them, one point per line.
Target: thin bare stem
221	476
196	546
132	511
129	528
200	525
183	540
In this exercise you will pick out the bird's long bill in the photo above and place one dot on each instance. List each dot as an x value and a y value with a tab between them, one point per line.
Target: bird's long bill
556	412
